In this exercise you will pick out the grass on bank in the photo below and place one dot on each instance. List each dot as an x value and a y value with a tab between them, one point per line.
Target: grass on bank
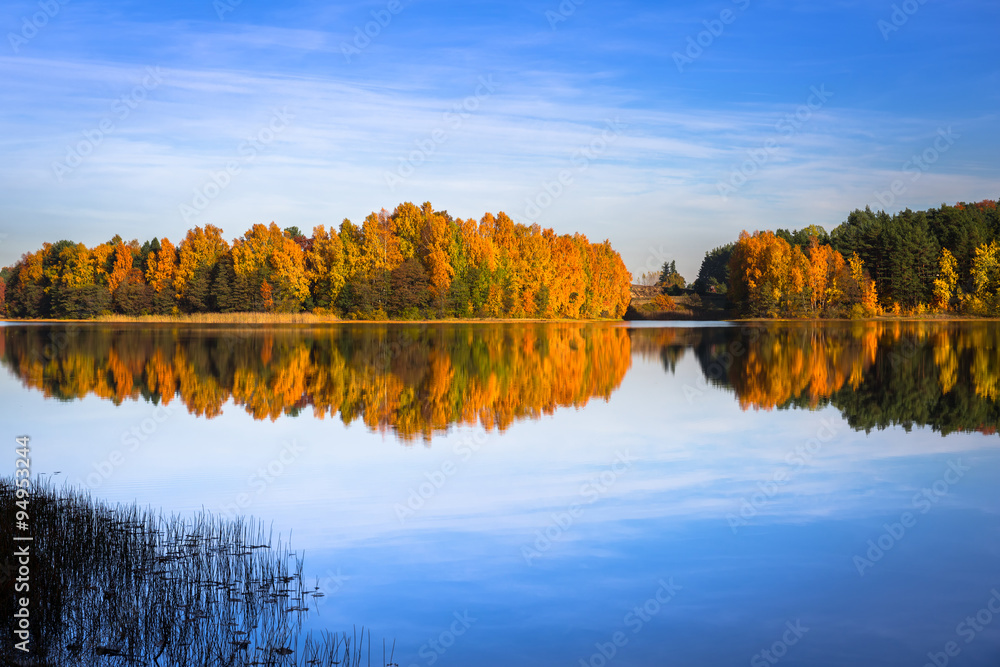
282	318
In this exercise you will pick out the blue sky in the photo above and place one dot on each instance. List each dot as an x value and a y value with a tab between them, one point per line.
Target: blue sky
484	106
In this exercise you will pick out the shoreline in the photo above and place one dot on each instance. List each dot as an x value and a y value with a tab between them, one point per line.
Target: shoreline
245	319
286	318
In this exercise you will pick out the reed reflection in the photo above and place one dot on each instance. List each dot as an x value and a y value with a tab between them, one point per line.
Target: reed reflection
121	585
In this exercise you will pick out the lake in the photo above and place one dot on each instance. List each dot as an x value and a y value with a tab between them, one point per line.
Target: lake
557	493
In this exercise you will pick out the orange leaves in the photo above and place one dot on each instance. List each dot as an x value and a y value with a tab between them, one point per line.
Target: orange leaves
494	268
435	244
760	271
268	254
265	295
121	268
769	276
99	258
161	266
825	268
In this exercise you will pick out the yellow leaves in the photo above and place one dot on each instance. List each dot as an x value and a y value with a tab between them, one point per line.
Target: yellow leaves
161	266
946	282
268	254
325	265
495	267
986	279
99	257
200	248
77	270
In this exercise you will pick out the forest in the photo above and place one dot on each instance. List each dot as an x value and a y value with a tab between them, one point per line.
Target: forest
413	263
944	260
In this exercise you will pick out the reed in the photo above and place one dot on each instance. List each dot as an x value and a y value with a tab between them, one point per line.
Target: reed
126	586
221	318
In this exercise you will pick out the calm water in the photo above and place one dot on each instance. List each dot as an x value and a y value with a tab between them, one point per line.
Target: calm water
542	494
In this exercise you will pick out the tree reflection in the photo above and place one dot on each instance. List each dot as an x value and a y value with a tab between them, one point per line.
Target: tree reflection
878	374
415	380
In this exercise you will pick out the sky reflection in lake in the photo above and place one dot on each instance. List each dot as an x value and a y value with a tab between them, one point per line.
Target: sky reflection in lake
753	516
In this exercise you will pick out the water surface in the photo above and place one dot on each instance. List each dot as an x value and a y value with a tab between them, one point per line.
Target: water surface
520	493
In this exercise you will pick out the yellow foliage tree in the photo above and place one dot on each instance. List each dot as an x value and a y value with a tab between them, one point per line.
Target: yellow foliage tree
200	248
325	267
946	284
986	279
267	254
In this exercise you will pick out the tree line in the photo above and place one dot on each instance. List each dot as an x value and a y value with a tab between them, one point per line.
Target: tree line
939	260
412	263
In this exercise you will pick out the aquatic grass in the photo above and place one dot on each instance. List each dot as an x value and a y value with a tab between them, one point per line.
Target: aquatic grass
221	318
126	586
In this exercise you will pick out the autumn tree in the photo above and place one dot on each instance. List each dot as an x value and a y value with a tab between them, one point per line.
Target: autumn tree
197	255
269	255
986	280
946	284
435	249
325	267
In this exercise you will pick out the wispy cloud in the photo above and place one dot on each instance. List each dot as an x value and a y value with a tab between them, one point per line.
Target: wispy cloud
657	182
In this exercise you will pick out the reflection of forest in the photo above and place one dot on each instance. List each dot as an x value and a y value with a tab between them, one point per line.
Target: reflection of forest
413	379
419	379
940	374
